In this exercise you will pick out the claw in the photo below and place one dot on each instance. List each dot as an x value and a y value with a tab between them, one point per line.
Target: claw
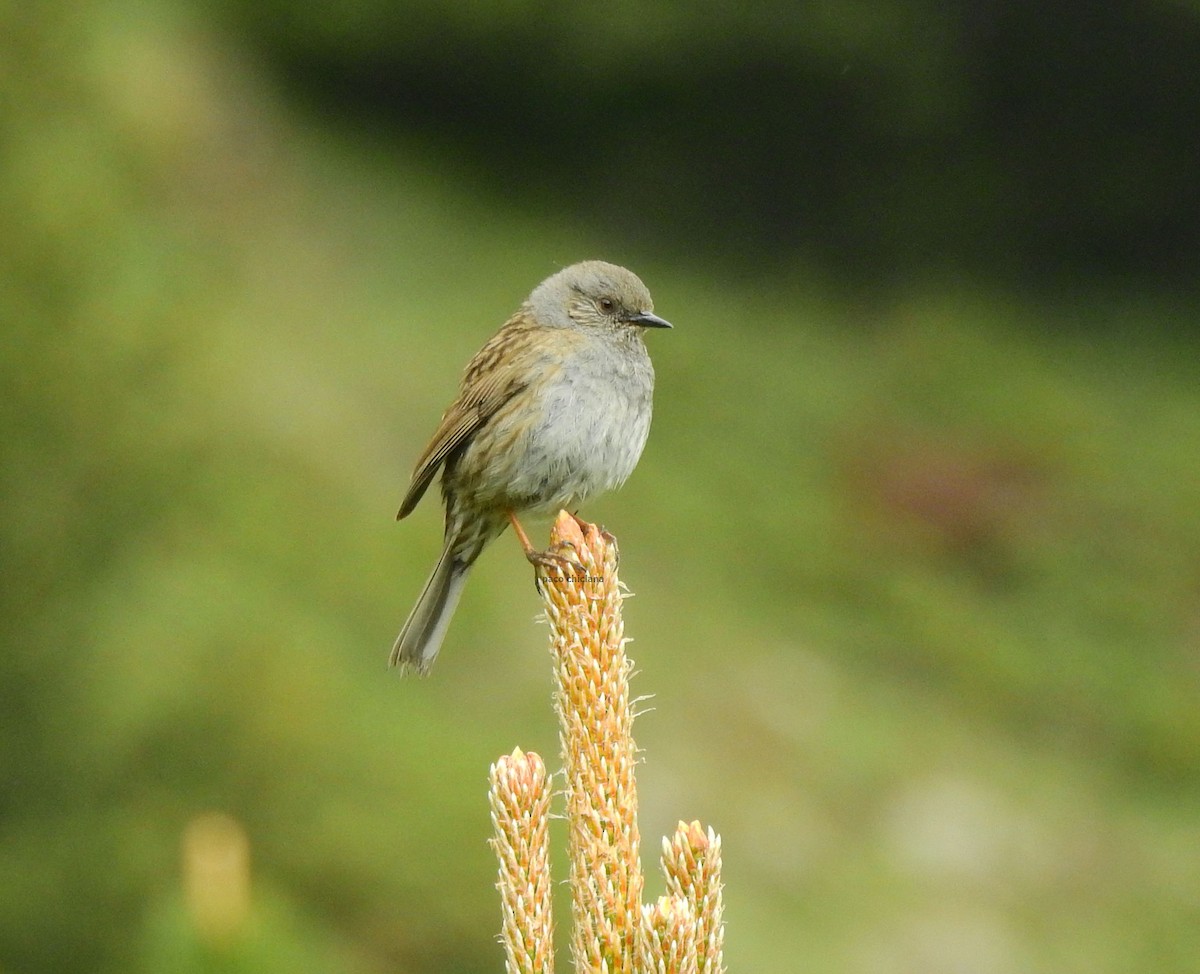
611	540
553	561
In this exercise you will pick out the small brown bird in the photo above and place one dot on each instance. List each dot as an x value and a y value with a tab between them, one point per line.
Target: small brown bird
555	408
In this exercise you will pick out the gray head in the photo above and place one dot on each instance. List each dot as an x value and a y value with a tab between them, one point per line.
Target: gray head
595	294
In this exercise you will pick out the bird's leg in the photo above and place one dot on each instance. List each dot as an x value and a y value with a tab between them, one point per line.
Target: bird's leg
530	551
544	559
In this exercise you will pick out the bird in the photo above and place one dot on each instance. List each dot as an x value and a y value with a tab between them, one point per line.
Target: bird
552	410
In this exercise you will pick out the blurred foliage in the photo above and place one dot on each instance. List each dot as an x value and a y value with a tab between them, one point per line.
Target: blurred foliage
1022	142
919	571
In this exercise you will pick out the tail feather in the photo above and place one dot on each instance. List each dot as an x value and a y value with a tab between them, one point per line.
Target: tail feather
419	641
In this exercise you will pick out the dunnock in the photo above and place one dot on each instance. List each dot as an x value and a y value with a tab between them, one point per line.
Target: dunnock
555	408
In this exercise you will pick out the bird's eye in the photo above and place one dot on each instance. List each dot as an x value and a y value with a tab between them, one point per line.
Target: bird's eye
607	305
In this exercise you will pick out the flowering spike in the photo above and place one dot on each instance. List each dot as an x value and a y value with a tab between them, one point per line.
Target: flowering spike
592	701
520	801
681	933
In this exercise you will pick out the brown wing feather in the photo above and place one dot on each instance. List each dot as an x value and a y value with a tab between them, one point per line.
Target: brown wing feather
453	430
488	383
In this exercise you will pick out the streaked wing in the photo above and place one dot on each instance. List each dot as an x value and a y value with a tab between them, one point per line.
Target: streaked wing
488	383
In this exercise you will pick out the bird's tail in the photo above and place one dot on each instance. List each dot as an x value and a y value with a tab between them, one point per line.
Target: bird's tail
419	641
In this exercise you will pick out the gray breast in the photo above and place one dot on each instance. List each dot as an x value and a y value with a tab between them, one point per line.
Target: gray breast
594	424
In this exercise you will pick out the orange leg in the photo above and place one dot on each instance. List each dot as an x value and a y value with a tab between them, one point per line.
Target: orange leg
546	559
530	551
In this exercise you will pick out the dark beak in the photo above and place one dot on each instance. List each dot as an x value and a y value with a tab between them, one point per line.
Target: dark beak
647	320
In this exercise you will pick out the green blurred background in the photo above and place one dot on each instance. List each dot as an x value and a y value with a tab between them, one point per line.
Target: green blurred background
915	541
